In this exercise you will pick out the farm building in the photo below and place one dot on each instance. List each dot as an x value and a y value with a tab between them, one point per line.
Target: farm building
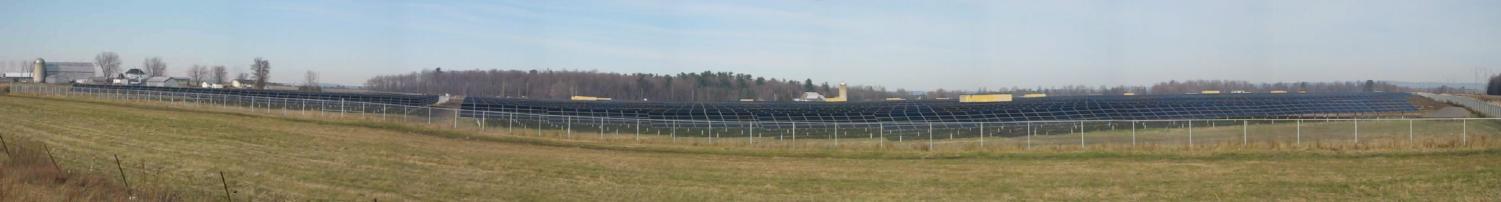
167	81
61	72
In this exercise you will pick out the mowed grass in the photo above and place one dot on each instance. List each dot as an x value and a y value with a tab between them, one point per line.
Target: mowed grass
266	157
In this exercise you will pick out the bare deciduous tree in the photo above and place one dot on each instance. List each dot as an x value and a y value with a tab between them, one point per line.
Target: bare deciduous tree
198	74
219	74
262	70
109	63
310	82
154	66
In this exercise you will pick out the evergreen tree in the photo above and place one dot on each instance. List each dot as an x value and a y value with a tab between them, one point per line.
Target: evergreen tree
1495	86
808	85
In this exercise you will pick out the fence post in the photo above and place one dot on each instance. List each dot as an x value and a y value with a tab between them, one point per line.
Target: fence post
455	115
982	134
638	130
1464	131
674	133
752	137
882	128
1357	130
794	131
1409	132
836	134
1299	136
568	121
122	175
930	136
482	116
1133	133
1245	127
602	128
1029	135
1081	134
226	187
1190	133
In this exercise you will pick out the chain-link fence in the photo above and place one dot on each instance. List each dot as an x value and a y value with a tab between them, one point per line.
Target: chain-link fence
914	135
1477	105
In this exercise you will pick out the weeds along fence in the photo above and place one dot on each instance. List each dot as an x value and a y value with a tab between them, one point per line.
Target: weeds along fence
1081	134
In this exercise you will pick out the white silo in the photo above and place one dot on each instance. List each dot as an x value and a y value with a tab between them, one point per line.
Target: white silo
39	71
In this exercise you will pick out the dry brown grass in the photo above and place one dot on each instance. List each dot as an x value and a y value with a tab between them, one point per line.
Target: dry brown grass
28	173
347	160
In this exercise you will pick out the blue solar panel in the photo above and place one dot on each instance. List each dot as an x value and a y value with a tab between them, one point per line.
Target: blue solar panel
1027	109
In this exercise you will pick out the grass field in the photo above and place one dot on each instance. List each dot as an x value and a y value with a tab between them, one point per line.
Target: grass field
265	157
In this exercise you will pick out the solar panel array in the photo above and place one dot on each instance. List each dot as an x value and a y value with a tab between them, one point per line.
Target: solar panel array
395	99
1155	107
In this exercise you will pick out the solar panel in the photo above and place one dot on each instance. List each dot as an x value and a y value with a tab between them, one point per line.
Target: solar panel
1032	109
394	99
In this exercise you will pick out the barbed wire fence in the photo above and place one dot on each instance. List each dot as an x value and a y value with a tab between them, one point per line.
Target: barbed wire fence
1080	134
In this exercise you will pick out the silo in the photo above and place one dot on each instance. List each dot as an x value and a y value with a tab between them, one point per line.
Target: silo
39	71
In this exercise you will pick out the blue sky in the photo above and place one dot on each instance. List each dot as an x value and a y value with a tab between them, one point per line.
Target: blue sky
898	44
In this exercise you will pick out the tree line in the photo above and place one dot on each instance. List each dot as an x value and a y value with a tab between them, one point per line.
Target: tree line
562	84
730	86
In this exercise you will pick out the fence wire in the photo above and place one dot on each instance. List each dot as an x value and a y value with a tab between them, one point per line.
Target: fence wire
915	134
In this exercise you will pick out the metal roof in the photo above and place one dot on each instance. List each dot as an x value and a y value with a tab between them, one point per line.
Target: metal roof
76	67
